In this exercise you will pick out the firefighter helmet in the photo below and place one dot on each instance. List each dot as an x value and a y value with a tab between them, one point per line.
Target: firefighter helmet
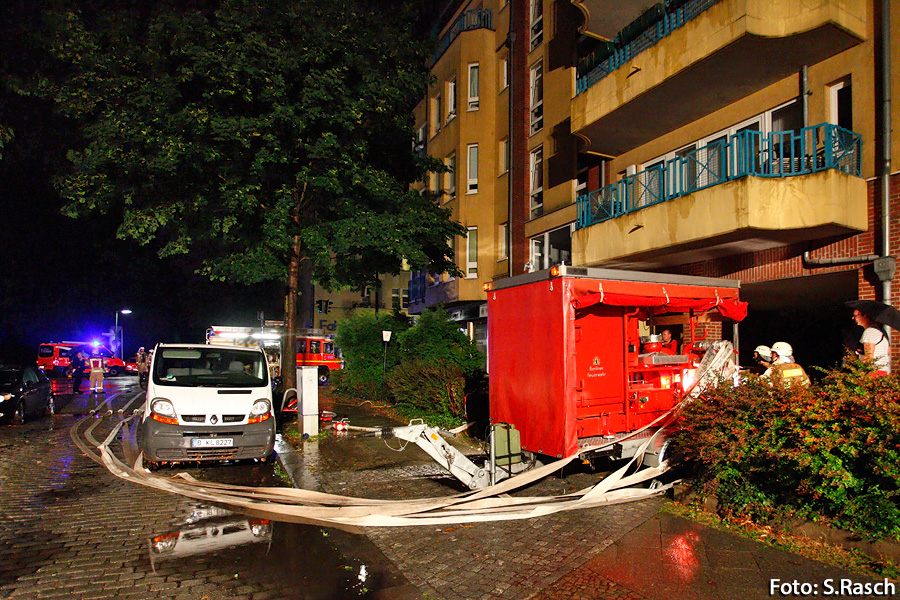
763	351
782	349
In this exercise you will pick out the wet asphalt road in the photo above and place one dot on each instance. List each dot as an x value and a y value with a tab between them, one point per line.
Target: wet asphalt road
68	528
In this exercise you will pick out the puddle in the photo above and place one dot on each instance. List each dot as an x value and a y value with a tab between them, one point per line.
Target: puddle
251	556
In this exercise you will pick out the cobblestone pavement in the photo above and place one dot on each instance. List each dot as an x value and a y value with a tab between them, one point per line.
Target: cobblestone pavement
628	551
69	529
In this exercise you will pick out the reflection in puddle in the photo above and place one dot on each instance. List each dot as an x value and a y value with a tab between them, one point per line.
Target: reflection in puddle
209	530
248	555
681	551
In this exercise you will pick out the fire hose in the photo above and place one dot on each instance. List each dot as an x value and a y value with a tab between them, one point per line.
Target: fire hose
485	505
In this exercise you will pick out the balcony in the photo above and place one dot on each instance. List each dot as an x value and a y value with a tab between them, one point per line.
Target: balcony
677	61
750	193
428	290
477	18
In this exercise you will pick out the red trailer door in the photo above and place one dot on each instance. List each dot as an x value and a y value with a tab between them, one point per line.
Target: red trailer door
599	370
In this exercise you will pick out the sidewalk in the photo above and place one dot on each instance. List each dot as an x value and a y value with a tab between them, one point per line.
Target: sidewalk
625	551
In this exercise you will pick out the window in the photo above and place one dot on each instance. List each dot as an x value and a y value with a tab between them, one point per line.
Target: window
581	180
705	162
451	99
504	156
504	73
648	185
472	253
552	248
537	182
842	104
437	110
473	87
450	176
400	298
689	171
503	241
537	254
472	170
419	143
537	97
536	13
787	121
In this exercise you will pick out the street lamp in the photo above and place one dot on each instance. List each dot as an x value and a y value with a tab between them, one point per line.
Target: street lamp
120	336
386	338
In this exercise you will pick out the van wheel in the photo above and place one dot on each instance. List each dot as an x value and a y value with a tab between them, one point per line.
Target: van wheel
114	371
324	375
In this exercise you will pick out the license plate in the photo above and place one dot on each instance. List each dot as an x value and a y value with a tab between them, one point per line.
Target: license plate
212	443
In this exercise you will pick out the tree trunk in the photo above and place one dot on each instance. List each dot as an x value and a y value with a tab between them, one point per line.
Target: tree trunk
289	339
307	295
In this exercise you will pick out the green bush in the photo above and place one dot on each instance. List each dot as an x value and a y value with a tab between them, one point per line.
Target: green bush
832	450
435	338
437	360
428	365
430	387
365	354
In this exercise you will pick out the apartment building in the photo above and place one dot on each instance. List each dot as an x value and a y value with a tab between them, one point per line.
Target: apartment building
464	121
749	139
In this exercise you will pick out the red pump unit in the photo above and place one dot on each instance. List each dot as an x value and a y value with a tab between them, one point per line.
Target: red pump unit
567	362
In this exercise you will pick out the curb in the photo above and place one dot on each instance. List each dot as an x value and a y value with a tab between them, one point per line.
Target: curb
291	460
881	550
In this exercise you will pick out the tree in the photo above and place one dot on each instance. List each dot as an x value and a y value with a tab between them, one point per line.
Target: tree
273	139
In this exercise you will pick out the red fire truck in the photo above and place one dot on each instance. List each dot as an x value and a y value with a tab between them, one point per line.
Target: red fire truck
573	356
314	348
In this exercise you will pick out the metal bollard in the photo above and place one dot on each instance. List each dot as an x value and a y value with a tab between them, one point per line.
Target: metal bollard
308	399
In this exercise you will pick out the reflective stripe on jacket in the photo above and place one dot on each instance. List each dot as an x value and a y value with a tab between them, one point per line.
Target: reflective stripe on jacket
790	373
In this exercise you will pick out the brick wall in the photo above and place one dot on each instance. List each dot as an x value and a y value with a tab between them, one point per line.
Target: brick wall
519	174
787	261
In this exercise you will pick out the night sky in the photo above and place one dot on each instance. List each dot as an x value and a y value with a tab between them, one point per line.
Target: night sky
65	279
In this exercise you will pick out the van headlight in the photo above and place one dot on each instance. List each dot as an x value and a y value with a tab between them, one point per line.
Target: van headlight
163	411
260	411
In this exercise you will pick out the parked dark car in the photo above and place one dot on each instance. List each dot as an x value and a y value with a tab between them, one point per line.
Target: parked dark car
24	392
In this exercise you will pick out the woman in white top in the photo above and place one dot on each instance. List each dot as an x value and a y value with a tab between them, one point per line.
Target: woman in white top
875	343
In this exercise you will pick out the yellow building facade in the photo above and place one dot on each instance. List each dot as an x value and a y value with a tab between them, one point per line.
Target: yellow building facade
750	139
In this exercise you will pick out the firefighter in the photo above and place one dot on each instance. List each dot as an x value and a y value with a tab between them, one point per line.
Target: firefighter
76	368
762	355
668	342
784	368
143	365
95	380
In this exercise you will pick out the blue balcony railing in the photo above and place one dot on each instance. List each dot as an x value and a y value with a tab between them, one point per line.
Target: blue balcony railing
477	18
669	22
777	154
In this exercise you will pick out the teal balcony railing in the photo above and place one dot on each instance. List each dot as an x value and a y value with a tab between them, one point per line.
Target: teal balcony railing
635	38
777	154
477	18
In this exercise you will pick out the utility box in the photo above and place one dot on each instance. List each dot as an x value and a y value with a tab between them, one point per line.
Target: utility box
507	445
573	355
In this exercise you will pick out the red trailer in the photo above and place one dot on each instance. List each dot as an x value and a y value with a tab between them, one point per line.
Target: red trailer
572	353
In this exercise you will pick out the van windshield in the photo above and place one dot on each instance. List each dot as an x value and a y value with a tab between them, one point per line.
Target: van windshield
209	367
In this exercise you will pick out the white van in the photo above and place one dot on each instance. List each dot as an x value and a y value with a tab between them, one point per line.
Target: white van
207	403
